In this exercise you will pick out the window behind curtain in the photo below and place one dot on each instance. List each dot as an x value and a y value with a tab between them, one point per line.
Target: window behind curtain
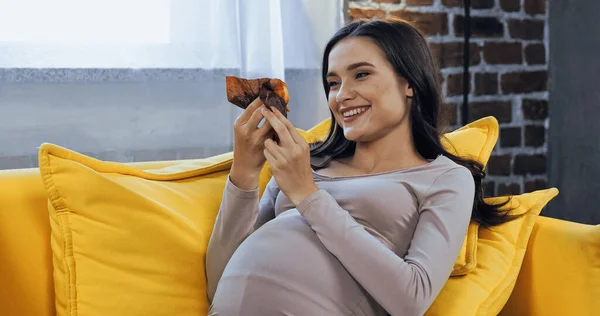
131	80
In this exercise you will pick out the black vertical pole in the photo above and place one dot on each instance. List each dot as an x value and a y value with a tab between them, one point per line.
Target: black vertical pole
466	55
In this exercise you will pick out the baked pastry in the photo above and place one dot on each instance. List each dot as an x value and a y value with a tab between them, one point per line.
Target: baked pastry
272	92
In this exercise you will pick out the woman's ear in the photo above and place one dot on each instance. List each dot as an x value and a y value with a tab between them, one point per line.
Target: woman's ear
409	91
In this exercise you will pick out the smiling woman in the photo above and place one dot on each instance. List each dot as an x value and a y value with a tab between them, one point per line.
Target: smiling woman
369	221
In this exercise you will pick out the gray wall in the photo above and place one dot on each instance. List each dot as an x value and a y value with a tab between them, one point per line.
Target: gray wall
130	115
574	134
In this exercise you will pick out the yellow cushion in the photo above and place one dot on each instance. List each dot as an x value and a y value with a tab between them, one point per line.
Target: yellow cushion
127	241
500	252
561	271
474	141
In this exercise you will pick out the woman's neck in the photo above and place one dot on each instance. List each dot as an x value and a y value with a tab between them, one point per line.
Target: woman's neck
394	151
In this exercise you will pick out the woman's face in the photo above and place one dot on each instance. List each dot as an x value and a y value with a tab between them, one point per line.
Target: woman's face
368	99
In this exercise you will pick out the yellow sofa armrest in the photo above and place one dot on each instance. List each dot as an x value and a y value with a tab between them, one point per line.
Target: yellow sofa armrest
561	271
26	284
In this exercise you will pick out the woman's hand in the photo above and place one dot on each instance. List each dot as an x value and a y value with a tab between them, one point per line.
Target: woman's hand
248	156
290	159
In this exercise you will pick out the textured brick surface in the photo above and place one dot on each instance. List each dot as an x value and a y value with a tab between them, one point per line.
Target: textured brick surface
530	164
451	54
503	53
418	2
524	81
486	83
489	188
510	137
360	13
535	54
499	165
475	4
535	109
535	6
429	23
454	84
501	110
510	5
535	135
480	26
534	185
509	189
526	29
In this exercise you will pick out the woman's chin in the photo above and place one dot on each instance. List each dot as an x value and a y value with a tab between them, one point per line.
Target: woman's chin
352	135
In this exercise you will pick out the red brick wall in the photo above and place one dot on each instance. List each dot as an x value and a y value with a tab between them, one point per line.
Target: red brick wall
508	75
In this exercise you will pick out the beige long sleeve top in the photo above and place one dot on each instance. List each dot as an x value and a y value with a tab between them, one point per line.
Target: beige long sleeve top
361	245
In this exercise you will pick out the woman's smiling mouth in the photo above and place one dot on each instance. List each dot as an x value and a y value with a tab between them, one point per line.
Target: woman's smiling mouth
354	114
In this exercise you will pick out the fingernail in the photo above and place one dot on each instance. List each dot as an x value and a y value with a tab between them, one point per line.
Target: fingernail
263	110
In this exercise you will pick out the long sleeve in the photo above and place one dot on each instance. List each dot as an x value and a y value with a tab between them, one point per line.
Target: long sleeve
402	286
240	214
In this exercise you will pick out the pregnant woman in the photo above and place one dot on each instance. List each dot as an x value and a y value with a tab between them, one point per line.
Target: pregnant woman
367	222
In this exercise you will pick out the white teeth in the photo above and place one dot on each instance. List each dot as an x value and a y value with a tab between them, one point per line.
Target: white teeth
354	112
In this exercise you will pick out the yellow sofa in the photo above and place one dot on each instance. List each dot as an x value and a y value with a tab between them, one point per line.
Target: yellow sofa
558	276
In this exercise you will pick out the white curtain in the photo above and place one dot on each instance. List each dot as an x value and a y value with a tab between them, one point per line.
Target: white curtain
264	37
185	48
251	34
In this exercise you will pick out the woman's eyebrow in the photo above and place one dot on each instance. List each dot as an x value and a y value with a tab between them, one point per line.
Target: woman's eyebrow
352	67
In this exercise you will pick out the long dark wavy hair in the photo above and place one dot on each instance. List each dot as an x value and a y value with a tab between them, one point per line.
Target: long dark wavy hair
407	51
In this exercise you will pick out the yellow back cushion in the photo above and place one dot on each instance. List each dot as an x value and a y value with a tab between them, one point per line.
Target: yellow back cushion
500	253
127	241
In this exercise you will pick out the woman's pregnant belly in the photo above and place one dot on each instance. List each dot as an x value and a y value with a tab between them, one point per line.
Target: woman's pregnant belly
284	269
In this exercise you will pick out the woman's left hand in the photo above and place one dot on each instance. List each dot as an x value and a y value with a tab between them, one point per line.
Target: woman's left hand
290	159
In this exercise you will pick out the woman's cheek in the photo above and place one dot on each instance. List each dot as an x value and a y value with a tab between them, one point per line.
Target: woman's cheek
331	98
332	104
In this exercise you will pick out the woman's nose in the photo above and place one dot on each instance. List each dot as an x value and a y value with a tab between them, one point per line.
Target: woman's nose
345	93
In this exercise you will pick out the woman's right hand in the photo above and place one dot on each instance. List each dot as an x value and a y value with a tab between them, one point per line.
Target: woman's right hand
248	146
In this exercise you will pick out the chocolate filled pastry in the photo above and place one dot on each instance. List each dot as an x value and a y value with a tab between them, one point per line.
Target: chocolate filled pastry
272	92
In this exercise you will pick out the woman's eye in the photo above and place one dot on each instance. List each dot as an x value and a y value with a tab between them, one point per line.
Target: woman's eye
333	83
361	75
